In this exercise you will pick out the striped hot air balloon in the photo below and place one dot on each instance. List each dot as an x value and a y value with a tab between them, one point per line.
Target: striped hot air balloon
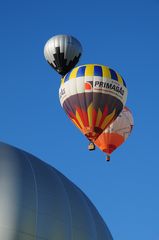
92	95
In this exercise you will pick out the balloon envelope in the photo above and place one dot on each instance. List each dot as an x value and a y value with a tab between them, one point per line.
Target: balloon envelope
38	202
117	132
92	96
62	52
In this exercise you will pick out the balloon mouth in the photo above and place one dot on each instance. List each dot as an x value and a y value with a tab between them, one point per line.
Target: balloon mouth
61	71
110	148
92	133
98	130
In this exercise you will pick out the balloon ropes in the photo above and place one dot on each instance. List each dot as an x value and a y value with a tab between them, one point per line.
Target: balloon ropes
62	52
116	133
92	95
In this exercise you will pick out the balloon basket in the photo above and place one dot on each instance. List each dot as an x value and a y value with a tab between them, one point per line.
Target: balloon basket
91	146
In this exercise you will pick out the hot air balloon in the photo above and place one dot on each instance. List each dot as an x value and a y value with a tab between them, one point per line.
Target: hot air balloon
62	52
117	132
39	202
92	96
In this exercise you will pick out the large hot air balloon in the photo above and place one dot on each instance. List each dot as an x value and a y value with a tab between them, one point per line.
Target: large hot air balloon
92	96
37	202
117	132
62	52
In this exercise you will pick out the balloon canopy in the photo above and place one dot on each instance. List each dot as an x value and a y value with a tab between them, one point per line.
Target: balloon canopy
62	52
92	96
38	202
117	132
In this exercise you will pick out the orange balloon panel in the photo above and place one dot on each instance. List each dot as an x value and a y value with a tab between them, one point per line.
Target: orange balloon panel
108	142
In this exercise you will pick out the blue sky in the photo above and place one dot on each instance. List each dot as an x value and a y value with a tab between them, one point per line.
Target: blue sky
123	35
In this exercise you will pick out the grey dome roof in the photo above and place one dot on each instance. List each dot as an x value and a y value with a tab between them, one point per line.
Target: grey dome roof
37	202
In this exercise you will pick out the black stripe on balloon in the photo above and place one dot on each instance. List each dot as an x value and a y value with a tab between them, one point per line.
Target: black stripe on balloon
60	62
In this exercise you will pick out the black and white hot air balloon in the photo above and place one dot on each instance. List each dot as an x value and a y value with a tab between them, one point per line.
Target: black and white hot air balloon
62	52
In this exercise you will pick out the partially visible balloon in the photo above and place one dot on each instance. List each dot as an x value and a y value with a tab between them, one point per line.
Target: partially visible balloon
117	132
37	202
92	96
62	52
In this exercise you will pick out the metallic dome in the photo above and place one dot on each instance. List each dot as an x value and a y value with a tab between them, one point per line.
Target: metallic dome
37	202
